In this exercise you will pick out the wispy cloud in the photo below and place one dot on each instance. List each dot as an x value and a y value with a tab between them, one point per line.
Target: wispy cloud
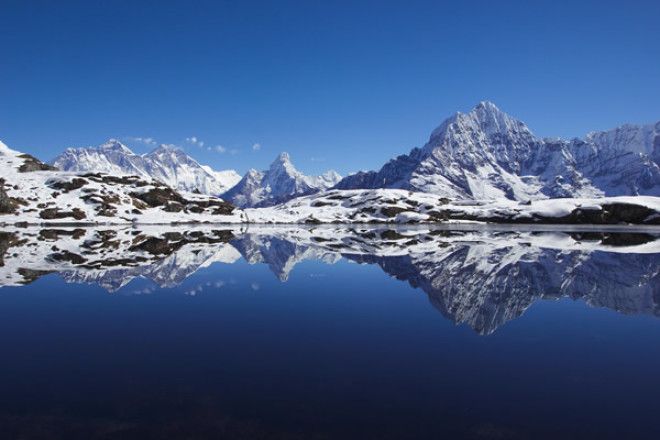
219	149
141	140
317	159
194	140
256	147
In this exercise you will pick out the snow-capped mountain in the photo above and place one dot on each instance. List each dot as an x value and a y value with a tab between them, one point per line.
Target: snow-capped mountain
487	154
166	164
279	183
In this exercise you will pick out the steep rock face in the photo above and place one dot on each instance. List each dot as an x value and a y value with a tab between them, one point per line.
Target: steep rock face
487	154
166	164
624	160
281	182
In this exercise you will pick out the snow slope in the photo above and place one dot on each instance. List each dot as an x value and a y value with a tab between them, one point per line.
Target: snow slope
399	206
42	195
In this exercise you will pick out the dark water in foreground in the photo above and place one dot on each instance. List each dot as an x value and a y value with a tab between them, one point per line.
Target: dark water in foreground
329	334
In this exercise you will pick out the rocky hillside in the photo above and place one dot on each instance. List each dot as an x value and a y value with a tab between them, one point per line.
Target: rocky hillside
399	206
33	192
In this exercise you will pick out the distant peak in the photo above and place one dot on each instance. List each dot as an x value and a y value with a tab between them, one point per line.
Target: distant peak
113	144
486	105
283	157
283	160
167	147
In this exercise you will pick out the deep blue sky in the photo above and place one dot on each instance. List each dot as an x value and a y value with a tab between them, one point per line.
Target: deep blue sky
342	85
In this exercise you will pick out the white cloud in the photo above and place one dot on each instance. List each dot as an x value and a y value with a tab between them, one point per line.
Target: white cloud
317	159
142	140
256	147
194	140
220	149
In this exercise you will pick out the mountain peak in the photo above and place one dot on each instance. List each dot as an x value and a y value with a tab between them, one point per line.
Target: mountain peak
113	144
166	148
283	162
283	157
487	106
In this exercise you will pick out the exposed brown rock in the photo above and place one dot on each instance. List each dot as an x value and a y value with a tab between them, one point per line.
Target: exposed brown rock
31	163
55	213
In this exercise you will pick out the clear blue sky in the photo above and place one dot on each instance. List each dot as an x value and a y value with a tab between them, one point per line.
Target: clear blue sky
342	85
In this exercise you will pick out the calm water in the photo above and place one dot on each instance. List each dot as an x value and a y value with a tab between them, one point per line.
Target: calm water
329	334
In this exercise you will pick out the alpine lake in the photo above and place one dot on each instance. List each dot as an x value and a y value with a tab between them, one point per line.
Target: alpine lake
329	332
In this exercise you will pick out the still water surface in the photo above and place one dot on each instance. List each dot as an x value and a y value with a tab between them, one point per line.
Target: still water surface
329	334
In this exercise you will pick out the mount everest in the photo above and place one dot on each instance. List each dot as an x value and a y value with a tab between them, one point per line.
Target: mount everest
165	164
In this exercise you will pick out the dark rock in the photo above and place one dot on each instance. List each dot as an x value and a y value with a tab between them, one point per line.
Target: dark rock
159	197
66	186
31	163
391	235
391	211
68	257
55	213
7	204
30	275
320	203
173	207
55	234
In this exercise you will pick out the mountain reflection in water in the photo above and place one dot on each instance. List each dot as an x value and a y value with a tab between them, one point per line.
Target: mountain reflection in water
480	277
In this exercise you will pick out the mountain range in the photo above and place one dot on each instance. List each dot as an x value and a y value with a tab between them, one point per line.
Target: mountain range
173	167
167	164
484	154
487	154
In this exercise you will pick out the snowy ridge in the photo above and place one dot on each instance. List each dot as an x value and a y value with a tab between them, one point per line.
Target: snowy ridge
399	206
166	164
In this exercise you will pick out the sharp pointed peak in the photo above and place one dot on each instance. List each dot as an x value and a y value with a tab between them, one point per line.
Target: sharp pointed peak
282	157
486	105
283	160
